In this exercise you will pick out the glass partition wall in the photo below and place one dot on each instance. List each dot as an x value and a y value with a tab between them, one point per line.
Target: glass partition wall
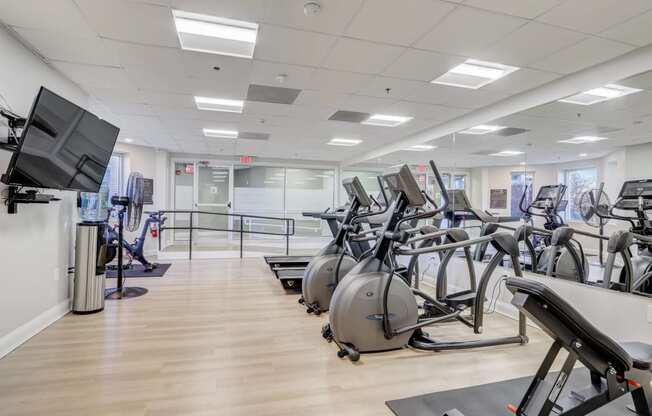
258	191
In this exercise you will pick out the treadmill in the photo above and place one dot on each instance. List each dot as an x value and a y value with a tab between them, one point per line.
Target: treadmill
289	269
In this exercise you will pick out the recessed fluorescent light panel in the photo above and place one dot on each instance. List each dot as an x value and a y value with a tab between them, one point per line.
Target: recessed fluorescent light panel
482	129
384	120
219	104
598	95
212	34
344	142
420	147
474	74
221	134
583	139
507	153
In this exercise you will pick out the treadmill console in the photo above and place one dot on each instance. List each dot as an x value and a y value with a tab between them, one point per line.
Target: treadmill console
632	192
403	181
354	189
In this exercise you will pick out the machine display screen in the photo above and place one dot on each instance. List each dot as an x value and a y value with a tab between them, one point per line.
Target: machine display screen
634	189
549	192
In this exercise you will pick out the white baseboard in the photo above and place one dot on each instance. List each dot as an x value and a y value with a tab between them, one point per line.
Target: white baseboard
18	336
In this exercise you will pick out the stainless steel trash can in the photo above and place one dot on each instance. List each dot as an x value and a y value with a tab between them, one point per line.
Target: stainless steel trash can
90	268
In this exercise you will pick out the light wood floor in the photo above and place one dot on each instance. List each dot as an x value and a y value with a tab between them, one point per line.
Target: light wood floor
223	338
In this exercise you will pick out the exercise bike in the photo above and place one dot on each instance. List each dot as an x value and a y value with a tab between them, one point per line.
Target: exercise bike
135	250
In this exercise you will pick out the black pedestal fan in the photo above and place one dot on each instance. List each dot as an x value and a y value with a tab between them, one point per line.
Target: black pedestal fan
130	206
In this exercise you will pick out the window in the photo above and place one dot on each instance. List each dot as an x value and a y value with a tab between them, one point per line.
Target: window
459	182
519	181
578	181
113	176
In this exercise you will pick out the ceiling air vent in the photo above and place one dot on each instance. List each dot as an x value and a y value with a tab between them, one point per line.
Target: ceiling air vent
349	116
510	131
253	136
273	95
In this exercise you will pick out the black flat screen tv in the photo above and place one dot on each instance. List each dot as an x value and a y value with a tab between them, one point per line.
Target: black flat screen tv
61	147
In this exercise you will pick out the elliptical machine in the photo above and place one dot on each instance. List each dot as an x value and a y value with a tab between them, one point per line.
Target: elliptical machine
375	309
323	272
552	249
636	274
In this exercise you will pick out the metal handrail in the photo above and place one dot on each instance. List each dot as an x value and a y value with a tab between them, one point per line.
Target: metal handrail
289	225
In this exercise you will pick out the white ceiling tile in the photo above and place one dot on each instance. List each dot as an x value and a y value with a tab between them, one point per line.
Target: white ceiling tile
201	65
425	111
322	98
518	48
528	9
265	73
151	58
57	16
368	104
134	22
588	52
93	76
361	56
292	46
422	65
636	31
131	109
456	97
171	101
264	109
593	16
67	48
333	18
397	22
522	80
247	10
466	31
398	88
129	95
338	81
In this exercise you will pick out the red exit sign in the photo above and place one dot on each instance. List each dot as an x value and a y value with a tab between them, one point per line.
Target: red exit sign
246	160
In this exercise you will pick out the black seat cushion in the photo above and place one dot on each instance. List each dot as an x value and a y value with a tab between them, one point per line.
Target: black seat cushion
567	315
641	354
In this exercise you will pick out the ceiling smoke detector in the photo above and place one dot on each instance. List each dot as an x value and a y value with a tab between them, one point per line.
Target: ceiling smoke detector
311	8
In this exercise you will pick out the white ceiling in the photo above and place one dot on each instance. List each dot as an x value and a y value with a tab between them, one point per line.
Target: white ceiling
125	54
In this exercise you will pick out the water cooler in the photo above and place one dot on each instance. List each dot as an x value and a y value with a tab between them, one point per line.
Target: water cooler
90	268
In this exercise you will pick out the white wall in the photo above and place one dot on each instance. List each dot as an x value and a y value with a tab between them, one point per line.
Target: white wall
36	246
152	164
